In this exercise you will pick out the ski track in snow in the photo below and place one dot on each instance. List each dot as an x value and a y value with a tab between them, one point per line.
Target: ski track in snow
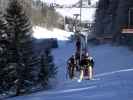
113	72
68	90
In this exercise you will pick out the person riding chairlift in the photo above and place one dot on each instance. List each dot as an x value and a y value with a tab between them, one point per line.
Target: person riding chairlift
71	66
86	68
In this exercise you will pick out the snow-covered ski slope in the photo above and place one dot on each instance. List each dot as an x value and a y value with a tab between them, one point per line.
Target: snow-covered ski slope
41	33
113	79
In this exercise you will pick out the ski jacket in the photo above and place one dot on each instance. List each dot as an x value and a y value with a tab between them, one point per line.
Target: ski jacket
72	61
86	61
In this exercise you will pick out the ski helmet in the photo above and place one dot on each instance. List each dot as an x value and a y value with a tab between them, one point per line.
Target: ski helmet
86	54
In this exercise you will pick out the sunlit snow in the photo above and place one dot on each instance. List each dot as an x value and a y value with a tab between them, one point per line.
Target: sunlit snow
40	33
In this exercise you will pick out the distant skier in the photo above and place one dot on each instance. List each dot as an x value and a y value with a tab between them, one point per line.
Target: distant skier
86	66
71	66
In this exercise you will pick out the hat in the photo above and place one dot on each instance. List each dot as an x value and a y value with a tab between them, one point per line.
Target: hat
87	54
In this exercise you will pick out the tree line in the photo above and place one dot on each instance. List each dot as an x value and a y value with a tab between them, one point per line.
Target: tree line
45	15
111	17
41	13
21	69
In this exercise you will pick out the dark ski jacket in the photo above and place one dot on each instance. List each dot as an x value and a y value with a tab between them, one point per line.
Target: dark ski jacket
72	61
86	61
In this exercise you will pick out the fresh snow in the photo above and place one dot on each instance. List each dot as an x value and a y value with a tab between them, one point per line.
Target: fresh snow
40	33
113	73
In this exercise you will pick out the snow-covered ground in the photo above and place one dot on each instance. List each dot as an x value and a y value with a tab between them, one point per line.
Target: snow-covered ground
41	33
112	78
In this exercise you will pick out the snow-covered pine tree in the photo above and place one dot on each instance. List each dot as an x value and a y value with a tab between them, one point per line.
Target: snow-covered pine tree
22	49
48	69
52	67
4	50
44	71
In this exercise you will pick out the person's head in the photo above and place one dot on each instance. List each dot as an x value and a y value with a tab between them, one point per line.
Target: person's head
87	54
73	56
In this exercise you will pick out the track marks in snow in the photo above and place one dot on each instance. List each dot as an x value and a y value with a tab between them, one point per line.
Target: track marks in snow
61	92
97	76
72	90
113	72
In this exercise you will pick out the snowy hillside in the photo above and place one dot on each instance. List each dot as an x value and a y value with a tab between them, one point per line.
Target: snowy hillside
40	33
112	81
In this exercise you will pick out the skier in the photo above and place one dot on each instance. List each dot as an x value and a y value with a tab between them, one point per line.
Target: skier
86	66
71	66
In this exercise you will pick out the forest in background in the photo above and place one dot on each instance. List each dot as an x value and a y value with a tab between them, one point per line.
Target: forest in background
22	68
111	16
41	13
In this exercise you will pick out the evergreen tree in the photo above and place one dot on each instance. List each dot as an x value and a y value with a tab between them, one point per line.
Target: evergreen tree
122	18
52	67
48	69
101	15
106	17
4	50
44	71
22	49
111	17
